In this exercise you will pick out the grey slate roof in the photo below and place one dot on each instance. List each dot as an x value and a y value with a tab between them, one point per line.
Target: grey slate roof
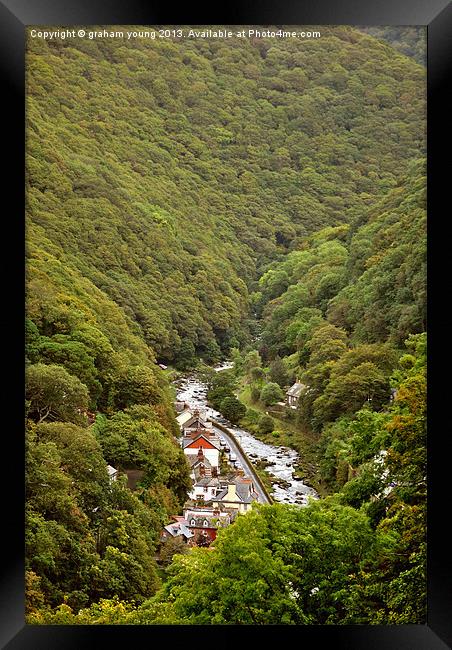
208	482
196	420
181	406
296	390
179	528
243	491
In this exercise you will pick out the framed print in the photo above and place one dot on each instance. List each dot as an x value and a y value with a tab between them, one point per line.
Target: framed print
229	221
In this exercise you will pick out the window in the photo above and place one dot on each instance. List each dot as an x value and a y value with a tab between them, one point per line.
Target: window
192	522
205	522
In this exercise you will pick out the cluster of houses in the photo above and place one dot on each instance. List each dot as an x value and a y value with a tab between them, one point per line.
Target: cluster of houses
216	497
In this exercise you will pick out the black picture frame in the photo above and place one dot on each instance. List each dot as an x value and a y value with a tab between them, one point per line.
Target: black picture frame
15	16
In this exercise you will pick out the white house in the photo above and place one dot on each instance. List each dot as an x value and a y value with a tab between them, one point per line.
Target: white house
208	443
204	523
199	465
205	489
112	473
197	421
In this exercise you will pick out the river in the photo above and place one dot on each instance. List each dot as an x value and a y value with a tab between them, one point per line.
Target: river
282	460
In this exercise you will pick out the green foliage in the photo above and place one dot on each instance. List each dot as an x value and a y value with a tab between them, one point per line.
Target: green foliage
81	458
105	612
410	41
127	565
133	438
252	418
255	394
380	261
237	360
186	357
266	424
52	393
75	357
211	352
170	547
346	393
115	195
257	375
136	385
221	386
86	537
232	409
252	363
163	216
386	293
271	393
265	569
278	373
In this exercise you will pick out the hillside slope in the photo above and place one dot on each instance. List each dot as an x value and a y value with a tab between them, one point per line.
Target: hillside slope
169	172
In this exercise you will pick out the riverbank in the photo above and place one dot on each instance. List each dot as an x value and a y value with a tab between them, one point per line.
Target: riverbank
282	461
288	434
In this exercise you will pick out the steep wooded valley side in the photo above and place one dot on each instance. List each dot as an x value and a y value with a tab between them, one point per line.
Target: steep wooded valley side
190	201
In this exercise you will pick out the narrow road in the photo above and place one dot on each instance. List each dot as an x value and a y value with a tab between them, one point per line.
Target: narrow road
245	463
281	460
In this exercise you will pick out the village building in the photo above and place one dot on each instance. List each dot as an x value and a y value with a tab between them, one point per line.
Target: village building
294	393
214	500
238	494
190	418
205	522
178	528
200	466
180	406
205	488
197	421
112	473
183	417
209	443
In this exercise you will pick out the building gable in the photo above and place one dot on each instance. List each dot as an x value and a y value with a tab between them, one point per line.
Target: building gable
200	441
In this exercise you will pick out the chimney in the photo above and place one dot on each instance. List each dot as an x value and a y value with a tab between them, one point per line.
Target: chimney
231	495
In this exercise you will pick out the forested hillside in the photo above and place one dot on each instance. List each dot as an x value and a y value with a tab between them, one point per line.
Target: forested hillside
167	190
367	277
256	199
411	40
340	315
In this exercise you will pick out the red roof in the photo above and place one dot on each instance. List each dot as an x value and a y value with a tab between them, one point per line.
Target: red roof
200	441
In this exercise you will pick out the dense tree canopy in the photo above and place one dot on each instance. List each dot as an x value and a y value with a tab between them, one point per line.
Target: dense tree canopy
167	190
190	199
